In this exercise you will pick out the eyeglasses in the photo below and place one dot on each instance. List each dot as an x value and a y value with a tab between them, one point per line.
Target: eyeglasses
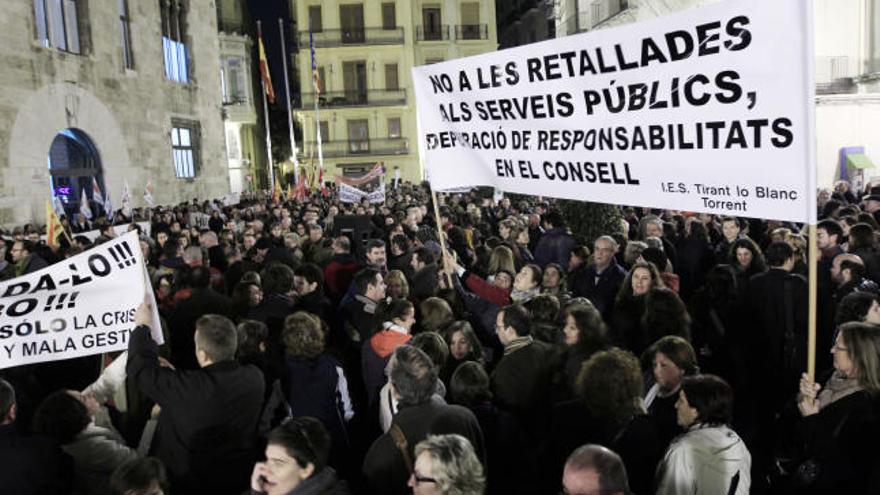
422	479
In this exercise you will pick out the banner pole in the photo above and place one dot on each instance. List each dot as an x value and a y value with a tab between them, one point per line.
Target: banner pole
811	321
440	231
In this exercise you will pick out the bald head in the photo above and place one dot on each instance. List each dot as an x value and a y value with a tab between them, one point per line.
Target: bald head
847	267
594	469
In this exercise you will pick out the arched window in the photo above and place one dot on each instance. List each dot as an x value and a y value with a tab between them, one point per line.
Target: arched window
73	162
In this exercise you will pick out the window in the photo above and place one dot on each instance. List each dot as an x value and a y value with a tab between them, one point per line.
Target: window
316	23
358	136
185	149
394	127
125	35
391	81
351	19
874	37
322	83
431	23
173	46
389	18
325	130
57	24
236	85
470	21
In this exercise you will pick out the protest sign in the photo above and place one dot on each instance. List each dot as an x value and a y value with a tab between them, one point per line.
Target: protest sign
81	306
117	229
706	110
370	186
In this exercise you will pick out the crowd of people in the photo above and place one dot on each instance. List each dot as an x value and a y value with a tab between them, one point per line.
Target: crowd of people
319	347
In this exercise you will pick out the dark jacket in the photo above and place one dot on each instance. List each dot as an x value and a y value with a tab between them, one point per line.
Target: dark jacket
339	274
272	311
374	357
384	469
554	247
208	425
360	312
33	465
316	303
312	391
842	439
520	384
183	324
777	304
573	425
323	483
600	288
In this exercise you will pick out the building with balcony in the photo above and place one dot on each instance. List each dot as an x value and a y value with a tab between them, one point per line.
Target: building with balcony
246	157
847	68
365	53
112	90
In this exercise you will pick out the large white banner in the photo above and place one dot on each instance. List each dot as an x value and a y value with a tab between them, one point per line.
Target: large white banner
707	110
81	306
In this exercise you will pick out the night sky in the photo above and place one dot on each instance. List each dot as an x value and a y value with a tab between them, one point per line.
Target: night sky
268	11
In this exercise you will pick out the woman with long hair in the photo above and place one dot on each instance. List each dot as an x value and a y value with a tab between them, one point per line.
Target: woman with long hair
838	431
583	335
464	346
748	260
626	319
501	259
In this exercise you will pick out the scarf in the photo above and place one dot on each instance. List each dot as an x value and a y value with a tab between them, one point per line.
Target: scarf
520	296
393	327
517	344
837	387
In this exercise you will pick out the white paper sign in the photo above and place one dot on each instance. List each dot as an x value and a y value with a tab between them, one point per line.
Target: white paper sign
707	110
78	307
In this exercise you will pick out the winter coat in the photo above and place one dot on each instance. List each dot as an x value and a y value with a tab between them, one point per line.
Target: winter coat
96	453
707	460
554	247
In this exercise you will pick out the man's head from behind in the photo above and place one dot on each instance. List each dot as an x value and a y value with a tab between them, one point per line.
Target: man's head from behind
216	340
413	375
593	469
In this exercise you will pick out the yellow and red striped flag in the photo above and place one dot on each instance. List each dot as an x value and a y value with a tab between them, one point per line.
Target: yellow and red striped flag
264	72
54	229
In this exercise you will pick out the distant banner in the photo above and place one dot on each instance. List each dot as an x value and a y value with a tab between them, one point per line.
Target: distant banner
117	229
708	110
374	193
375	172
78	307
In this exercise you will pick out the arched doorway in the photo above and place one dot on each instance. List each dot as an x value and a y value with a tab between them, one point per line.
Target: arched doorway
73	162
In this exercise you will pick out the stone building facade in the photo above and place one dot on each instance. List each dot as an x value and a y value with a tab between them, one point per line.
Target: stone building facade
117	90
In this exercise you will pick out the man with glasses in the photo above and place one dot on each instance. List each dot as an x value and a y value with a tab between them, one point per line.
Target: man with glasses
25	259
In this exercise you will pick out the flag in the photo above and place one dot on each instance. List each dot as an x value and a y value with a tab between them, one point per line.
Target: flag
316	77
126	199
148	194
54	229
84	209
301	190
97	197
289	193
324	191
264	71
57	205
276	194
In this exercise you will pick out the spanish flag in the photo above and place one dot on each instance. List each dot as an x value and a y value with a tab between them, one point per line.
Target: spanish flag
264	72
54	229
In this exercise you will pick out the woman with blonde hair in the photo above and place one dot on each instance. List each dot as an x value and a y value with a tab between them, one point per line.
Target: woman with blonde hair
502	259
436	315
396	285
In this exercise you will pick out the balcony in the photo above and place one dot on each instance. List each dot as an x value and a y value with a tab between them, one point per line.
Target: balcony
472	32
238	109
602	10
576	23
231	26
352	36
360	147
357	98
834	75
433	33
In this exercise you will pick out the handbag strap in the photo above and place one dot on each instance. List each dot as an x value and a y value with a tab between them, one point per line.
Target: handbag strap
402	445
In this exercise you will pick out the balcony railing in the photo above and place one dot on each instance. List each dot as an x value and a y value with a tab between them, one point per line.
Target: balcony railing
356	98
471	32
353	36
360	147
834	75
602	10
433	33
231	26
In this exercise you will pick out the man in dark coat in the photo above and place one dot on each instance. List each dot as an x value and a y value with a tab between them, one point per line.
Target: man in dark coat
208	424
556	243
360	312
25	258
414	382
521	380
340	271
308	281
31	465
204	300
601	281
277	284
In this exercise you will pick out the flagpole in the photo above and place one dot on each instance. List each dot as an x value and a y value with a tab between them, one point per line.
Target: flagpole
266	119
287	92
317	95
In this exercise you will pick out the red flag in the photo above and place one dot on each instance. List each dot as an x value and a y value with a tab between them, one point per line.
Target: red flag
324	191
264	72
